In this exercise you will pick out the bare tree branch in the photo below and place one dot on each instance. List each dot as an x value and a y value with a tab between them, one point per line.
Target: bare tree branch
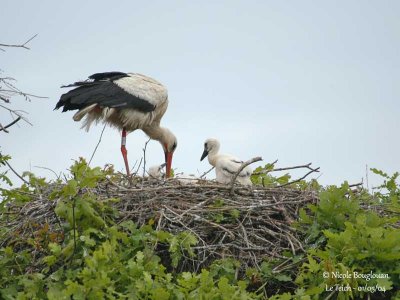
15	172
17	113
19	45
4	128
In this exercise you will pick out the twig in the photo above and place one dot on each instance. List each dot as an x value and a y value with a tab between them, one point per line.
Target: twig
4	128
297	180
98	143
20	45
244	165
356	184
307	166
144	157
140	163
15	172
144	161
205	173
45	168
17	113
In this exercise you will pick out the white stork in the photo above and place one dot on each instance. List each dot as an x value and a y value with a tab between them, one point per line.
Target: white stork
128	101
225	165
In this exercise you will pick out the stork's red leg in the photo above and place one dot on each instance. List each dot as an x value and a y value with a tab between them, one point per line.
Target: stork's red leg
124	151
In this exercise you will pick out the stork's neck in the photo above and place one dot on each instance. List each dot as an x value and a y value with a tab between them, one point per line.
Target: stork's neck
158	133
154	132
213	155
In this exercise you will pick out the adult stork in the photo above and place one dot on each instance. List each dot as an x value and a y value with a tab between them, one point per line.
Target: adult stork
128	101
225	165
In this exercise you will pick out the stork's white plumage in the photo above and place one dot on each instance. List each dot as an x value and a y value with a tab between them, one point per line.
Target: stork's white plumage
155	172
184	178
226	166
128	101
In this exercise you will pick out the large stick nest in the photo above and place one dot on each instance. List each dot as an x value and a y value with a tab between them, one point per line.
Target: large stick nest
247	224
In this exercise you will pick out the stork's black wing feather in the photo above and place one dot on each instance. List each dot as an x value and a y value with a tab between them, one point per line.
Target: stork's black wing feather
105	94
108	75
111	76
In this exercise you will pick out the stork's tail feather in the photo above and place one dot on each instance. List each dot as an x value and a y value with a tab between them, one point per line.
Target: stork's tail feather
81	113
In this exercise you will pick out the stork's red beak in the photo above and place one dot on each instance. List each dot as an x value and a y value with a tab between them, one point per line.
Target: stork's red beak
168	161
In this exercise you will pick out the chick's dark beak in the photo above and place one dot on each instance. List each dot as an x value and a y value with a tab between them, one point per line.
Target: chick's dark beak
205	153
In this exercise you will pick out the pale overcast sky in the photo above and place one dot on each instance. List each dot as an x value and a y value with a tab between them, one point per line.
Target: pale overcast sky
298	81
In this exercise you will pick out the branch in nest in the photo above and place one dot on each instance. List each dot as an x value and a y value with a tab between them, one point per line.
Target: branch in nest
307	166
244	165
205	173
297	180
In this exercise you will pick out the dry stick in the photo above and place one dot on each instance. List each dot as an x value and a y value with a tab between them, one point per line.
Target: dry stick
140	163
307	166
144	161
16	113
205	173
98	143
21	45
9	125
15	172
144	157
6	100
297	180
356	184
18	92
244	165
45	168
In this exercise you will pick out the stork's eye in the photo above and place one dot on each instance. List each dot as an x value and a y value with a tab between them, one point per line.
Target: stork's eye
174	146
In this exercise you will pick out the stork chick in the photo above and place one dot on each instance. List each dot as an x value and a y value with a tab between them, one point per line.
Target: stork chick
226	166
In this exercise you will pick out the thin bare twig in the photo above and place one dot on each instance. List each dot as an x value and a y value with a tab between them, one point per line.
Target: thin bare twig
98	143
17	113
48	169
19	45
297	180
307	166
4	128
356	184
144	160
16	173
144	157
205	173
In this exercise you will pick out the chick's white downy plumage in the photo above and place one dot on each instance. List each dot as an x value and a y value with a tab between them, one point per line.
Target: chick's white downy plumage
226	166
156	172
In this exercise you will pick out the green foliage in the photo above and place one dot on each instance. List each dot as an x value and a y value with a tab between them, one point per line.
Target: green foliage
262	177
389	191
349	244
95	258
92	256
3	175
